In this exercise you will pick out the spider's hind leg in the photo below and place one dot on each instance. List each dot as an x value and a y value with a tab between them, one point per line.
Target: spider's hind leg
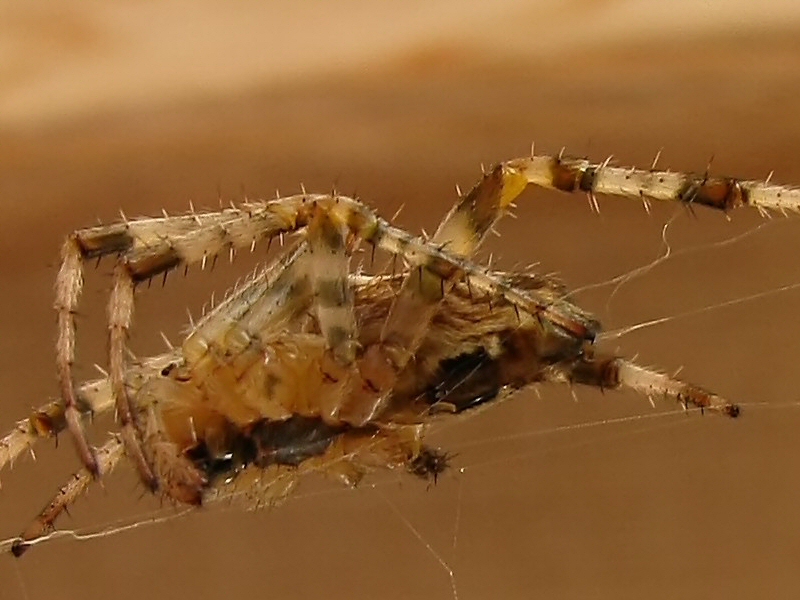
610	372
107	458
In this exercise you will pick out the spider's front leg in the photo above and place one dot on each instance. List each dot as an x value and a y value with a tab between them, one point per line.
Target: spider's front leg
147	247
569	174
437	264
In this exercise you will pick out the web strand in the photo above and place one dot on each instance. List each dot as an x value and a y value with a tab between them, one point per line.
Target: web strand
622	331
421	539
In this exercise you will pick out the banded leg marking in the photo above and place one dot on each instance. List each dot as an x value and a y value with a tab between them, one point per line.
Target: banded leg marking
610	372
108	456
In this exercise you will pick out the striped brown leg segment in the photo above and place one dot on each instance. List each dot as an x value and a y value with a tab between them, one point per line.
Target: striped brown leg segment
722	193
107	458
148	247
610	372
262	306
552	312
460	234
68	288
159	464
329	265
466	224
120	312
93	398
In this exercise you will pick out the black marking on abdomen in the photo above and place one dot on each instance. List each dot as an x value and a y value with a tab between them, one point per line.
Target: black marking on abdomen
266	443
467	381
474	378
292	441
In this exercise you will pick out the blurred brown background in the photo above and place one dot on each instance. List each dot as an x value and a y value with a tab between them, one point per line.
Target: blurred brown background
142	105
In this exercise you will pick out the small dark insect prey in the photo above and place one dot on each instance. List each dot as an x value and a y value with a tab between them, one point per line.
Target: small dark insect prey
309	367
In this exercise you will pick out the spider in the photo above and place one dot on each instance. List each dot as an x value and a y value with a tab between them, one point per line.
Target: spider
308	367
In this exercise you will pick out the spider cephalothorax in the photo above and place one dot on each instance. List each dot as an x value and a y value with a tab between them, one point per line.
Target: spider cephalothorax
309	367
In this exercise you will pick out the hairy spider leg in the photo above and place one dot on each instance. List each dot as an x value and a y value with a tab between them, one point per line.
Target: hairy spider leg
108	456
569	174
329	265
147	247
96	397
610	372
48	420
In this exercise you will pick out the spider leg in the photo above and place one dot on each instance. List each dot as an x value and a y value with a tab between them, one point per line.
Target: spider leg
435	267
555	312
334	304
721	193
120	311
260	307
611	372
68	288
329	261
93	398
466	224
460	232
152	238
107	458
146	248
